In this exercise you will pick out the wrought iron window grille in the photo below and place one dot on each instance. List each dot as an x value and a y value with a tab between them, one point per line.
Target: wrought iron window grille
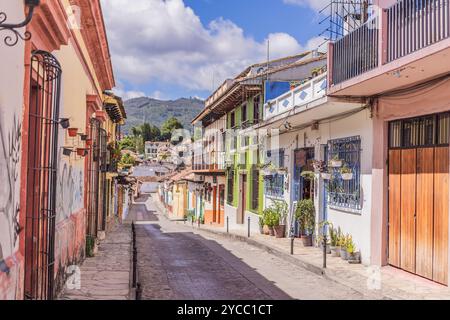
345	194
14	34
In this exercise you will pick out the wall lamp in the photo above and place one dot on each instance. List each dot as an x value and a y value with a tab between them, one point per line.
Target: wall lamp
12	39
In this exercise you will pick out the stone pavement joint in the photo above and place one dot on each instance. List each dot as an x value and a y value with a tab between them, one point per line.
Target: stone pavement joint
107	275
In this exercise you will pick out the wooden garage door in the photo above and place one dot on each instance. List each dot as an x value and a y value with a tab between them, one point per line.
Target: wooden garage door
418	197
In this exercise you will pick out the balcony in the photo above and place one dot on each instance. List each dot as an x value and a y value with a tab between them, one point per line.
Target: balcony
398	47
212	163
298	98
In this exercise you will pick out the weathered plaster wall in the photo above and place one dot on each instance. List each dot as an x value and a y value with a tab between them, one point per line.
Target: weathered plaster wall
11	103
70	211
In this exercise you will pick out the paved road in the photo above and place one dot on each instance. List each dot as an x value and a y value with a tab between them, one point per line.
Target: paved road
176	262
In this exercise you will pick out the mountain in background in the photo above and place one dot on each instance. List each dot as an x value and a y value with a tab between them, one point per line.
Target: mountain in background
156	112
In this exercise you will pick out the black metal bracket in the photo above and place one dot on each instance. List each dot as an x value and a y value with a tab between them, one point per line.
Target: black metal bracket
14	34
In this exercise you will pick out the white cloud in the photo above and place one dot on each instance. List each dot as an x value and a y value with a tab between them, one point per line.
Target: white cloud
164	40
313	4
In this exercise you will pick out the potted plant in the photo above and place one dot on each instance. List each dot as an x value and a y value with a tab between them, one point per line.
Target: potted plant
354	257
268	227
319	166
64	122
88	142
281	209
333	241
305	214
72	132
345	240
308	175
346	173
83	136
338	243
335	162
261	224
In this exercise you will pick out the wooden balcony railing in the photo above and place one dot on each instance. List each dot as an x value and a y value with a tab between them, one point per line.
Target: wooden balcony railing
416	24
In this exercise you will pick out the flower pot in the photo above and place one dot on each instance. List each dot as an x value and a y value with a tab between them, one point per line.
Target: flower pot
347	176
271	231
88	142
307	241
336	163
326	176
344	254
64	122
72	132
83	137
334	252
337	252
67	152
354	258
280	231
81	152
261	229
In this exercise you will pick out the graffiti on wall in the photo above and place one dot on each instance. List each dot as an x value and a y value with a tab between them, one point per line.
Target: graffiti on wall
10	145
69	191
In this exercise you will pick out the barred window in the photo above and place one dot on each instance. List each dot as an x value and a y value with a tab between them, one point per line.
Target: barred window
424	131
230	187
346	193
274	185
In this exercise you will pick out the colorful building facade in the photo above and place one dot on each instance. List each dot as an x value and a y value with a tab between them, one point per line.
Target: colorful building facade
49	102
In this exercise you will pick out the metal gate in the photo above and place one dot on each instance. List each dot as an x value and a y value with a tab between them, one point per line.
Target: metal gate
93	180
45	83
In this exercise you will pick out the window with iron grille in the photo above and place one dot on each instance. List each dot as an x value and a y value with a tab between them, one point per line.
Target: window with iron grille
274	185
345	193
426	131
230	187
255	188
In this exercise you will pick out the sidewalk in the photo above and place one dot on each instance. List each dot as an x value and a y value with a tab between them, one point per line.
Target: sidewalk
107	275
372	282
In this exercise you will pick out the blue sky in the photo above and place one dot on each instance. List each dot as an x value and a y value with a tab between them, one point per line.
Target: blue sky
182	48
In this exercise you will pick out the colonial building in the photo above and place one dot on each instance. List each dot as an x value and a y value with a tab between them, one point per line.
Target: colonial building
401	69
54	130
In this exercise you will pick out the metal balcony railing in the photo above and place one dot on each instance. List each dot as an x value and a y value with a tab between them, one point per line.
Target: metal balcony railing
356	53
416	24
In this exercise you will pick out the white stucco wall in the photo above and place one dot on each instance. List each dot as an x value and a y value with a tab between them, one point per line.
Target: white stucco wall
356	223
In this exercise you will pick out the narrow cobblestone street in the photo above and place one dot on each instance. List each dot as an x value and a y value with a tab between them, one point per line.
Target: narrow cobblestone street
175	263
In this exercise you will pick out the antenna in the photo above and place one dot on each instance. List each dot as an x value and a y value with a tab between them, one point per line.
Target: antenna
344	17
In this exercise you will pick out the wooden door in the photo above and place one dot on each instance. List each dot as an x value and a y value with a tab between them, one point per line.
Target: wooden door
424	212
214	196
394	206
441	198
408	210
243	199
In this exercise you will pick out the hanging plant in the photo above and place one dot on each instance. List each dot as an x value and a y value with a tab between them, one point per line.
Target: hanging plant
319	166
327	175
88	142
308	175
346	173
335	162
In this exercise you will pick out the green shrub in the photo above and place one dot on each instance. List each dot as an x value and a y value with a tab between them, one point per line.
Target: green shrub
306	215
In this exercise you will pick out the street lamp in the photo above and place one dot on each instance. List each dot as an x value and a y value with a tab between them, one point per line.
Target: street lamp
12	39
